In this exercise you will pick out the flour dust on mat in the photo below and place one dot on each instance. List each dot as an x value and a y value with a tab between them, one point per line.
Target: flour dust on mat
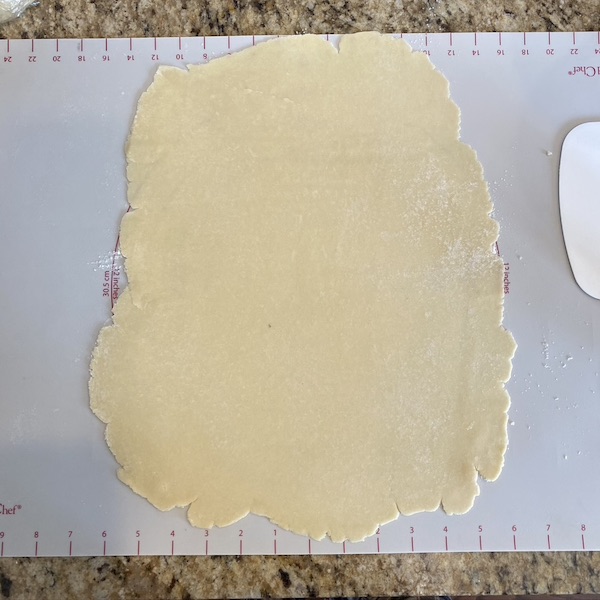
312	327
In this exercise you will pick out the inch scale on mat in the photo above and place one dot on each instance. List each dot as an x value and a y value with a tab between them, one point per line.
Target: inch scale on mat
66	108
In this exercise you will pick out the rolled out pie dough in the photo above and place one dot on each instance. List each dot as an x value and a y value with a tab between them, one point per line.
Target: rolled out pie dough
312	327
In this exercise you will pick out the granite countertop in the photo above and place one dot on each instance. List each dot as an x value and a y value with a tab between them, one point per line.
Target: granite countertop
306	576
125	18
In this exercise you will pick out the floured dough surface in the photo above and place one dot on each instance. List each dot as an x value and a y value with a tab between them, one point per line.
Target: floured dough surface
312	327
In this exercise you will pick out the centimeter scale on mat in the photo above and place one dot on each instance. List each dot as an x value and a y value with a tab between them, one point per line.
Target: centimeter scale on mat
202	49
66	107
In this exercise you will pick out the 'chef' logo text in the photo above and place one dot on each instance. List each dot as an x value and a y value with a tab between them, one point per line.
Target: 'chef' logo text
585	71
9	510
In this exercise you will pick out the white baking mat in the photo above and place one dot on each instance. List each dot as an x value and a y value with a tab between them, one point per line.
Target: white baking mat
65	110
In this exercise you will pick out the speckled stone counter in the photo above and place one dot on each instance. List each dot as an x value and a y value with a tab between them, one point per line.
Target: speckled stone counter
221	577
188	578
112	18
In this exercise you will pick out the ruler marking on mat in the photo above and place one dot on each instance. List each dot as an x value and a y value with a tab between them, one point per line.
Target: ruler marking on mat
436	45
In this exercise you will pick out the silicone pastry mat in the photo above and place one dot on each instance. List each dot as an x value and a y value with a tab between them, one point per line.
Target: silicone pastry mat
66	109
